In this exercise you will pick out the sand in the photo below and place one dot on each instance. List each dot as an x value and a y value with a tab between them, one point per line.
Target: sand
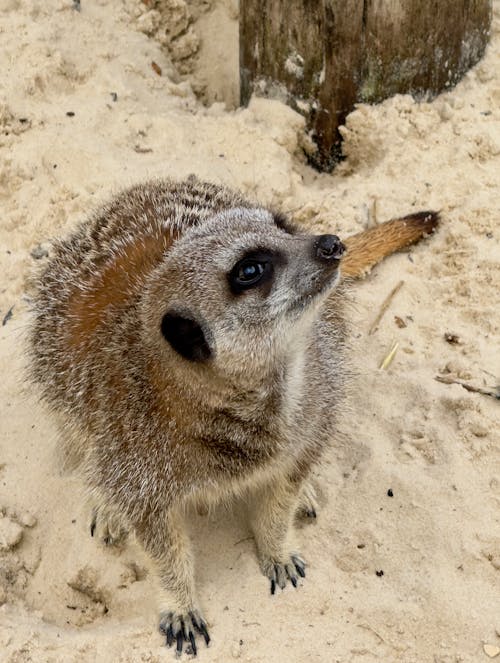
84	113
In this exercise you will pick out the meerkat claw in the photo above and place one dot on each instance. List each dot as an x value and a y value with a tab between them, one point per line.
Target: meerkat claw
170	635
180	639
308	502
204	633
299	565
106	527
291	575
193	643
200	626
280	573
183	629
180	630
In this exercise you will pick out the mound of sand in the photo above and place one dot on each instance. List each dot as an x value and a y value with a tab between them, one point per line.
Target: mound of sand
83	112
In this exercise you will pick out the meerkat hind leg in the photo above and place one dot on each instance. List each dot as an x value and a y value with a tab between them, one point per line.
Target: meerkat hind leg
167	542
272	523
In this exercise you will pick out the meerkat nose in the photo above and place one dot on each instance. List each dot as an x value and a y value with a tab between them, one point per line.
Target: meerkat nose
328	248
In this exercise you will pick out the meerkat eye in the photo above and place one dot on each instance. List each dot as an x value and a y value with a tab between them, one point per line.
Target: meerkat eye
250	271
253	270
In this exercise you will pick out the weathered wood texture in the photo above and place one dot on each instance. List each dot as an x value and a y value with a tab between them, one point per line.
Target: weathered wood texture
323	56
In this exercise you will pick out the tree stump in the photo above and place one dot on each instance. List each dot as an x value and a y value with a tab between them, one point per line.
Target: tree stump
323	56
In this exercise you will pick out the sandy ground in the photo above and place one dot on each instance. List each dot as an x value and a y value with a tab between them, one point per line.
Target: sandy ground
83	113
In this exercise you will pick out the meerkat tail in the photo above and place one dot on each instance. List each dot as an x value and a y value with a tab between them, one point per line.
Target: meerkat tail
366	249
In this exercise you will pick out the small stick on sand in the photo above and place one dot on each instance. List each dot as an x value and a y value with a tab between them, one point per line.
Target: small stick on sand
374	219
445	379
386	362
385	306
247	538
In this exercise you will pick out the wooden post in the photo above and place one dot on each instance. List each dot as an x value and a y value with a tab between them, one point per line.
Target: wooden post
323	56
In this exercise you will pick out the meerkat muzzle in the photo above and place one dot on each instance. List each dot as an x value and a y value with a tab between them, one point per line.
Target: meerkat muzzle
328	248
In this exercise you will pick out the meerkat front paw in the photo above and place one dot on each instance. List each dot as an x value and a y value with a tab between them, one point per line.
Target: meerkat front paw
181	628
280	571
107	527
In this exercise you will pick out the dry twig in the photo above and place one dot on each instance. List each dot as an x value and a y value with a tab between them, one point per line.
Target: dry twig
385	306
386	362
446	379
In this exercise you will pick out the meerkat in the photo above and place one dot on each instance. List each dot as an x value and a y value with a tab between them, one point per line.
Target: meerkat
194	344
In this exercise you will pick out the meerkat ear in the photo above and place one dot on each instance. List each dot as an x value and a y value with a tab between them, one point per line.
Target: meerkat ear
185	336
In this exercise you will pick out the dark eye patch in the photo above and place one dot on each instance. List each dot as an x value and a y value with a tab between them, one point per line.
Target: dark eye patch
282	222
254	270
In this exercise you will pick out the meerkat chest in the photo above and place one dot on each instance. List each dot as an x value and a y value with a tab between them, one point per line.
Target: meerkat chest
308	400
293	388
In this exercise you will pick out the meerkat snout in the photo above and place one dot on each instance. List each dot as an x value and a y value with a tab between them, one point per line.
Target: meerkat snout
328	247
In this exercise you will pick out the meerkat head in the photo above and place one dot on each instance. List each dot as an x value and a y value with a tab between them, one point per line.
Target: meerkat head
240	289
